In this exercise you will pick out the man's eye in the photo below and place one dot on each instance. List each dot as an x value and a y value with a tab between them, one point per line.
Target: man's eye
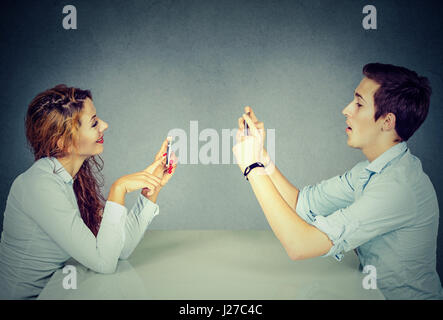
95	123
358	105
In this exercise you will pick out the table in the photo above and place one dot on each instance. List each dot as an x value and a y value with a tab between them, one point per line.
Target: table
216	265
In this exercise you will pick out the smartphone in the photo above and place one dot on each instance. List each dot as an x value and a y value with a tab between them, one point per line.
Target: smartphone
168	151
246	127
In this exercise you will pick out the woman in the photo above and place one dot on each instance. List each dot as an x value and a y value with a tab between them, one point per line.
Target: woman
55	210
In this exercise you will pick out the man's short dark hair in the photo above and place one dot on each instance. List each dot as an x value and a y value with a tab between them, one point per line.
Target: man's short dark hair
403	93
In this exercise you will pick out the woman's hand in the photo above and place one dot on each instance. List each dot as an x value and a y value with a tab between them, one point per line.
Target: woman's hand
140	180
131	182
159	168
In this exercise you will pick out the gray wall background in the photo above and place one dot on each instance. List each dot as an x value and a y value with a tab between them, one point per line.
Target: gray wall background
156	65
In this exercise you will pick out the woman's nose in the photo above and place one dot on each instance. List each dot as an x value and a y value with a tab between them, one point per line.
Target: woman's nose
104	126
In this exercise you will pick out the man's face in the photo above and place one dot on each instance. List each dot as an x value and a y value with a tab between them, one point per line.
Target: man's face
363	132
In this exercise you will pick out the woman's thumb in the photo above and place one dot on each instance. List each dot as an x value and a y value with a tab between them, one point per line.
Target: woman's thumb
151	168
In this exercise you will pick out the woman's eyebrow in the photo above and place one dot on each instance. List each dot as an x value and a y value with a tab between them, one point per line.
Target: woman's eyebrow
92	117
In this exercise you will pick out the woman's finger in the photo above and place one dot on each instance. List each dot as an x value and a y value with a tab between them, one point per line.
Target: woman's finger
174	158
162	150
154	179
151	168
164	146
150	177
149	185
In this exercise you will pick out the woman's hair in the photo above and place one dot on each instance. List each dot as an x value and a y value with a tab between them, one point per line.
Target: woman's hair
402	92
54	115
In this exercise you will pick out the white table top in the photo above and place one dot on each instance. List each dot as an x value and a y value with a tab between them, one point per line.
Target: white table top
216	264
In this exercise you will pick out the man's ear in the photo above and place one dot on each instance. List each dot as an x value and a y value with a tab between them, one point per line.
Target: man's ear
389	122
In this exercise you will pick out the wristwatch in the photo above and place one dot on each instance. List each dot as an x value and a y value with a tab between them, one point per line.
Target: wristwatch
252	166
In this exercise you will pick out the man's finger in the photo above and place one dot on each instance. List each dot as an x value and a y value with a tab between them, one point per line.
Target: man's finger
241	124
239	136
248	110
251	124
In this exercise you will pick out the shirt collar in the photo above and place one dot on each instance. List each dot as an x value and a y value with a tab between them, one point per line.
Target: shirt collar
61	171
385	158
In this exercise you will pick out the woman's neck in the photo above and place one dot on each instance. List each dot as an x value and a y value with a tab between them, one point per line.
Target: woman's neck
71	164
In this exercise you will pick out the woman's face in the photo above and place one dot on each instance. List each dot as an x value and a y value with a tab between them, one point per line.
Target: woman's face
92	128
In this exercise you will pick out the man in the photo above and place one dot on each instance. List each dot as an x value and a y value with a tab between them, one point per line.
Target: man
384	208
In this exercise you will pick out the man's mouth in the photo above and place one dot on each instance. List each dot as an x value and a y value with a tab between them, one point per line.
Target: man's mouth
349	127
100	140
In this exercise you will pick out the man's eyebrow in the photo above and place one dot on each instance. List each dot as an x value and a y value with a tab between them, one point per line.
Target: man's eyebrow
92	117
359	95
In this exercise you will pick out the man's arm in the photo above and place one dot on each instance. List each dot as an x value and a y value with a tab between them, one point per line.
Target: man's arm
287	190
300	239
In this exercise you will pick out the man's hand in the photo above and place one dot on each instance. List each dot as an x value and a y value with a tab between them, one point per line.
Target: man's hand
261	129
249	149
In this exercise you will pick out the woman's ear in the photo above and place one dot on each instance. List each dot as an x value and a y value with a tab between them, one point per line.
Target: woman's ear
61	146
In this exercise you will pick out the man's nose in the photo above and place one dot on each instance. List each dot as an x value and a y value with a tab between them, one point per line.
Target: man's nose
345	110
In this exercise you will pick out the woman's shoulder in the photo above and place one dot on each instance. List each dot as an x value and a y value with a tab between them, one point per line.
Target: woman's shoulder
41	170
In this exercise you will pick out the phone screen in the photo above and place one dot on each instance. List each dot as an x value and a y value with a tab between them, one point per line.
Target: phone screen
168	151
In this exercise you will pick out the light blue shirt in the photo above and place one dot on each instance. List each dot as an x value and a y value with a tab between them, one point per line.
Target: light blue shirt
388	210
43	228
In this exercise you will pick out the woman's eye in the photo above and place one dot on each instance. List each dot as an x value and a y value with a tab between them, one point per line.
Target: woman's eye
95	123
358	105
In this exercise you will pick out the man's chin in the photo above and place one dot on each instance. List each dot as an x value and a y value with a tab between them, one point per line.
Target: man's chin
350	144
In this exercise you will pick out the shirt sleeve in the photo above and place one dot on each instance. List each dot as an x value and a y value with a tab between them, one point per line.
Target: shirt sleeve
326	197
383	207
53	210
138	219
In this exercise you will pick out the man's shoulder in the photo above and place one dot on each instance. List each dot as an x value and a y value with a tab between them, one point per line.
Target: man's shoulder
406	169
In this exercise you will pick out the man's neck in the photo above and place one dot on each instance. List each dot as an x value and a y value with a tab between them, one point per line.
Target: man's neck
376	150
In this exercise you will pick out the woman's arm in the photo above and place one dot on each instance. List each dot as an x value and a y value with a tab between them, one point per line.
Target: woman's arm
52	204
137	221
145	209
